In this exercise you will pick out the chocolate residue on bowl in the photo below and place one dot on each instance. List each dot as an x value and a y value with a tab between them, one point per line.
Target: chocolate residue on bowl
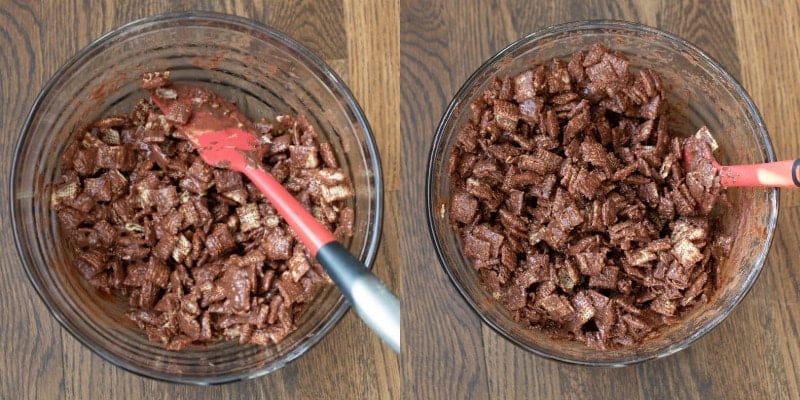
571	202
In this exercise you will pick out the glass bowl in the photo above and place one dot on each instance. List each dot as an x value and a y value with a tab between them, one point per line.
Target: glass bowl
265	74
700	92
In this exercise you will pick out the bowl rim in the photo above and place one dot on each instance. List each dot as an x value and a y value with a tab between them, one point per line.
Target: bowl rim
595	25
227	21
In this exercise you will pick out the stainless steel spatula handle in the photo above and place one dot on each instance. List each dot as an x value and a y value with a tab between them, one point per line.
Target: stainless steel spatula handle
370	298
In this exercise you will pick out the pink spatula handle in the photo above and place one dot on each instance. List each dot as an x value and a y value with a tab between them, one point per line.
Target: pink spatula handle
308	229
780	174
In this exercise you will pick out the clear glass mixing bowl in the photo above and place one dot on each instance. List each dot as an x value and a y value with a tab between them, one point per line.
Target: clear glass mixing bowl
262	71
701	93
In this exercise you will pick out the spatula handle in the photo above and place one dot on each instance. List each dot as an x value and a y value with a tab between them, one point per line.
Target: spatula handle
780	174
373	302
307	228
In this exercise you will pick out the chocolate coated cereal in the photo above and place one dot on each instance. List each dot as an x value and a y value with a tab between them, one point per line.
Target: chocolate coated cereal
572	203
198	252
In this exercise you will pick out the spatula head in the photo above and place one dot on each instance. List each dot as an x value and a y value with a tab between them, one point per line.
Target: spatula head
218	130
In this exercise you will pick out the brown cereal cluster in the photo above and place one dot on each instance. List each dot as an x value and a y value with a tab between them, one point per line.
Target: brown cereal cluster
198	251
572	203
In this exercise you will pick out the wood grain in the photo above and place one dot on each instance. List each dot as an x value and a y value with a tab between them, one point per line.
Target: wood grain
404	61
375	58
441	355
40	360
753	354
770	72
30	346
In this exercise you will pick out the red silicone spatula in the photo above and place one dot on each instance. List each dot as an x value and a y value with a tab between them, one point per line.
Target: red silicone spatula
223	137
780	174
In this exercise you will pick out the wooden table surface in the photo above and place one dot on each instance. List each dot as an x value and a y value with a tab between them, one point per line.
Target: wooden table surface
38	358
450	354
404	61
